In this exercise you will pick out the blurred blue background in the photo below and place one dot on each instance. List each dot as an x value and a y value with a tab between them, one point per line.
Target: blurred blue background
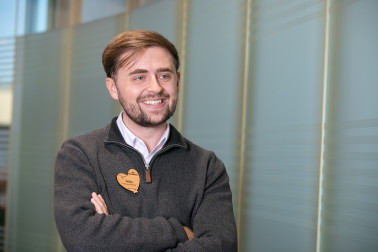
284	92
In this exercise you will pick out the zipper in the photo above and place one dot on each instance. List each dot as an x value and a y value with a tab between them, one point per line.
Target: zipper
148	173
147	166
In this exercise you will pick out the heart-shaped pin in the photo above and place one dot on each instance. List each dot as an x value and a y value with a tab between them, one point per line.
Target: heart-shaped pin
129	181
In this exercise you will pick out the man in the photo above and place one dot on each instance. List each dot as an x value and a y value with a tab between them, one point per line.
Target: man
151	189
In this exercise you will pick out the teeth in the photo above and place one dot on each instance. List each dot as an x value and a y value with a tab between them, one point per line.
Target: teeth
153	102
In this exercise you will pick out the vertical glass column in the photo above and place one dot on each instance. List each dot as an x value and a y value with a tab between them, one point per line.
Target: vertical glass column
350	209
279	210
213	83
34	141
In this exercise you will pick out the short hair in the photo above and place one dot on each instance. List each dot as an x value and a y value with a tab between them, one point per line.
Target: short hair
135	42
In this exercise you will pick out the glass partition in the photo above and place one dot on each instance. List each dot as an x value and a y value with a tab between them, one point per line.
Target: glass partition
89	103
35	136
213	82
349	217
280	182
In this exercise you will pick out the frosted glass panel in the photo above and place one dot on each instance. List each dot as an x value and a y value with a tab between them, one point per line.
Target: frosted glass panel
35	139
97	9
283	150
163	13
350	203
214	78
90	104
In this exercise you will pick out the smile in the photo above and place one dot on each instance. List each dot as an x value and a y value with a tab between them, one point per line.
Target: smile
155	102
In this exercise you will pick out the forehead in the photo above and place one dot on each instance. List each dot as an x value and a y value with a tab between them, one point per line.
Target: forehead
151	57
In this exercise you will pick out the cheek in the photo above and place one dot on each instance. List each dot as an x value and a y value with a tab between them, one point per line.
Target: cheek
130	94
172	90
175	92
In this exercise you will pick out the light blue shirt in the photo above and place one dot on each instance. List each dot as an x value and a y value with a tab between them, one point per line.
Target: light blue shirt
137	143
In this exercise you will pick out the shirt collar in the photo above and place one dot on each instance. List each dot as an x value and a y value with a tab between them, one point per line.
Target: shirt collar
132	139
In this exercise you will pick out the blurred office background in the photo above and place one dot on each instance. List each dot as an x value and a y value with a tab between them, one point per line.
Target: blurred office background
284	91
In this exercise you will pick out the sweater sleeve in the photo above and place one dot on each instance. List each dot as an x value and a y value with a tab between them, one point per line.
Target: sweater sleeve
214	222
82	229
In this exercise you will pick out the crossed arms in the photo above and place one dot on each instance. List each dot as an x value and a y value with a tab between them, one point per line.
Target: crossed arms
101	208
87	225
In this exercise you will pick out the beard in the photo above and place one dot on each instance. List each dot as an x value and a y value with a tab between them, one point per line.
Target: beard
137	115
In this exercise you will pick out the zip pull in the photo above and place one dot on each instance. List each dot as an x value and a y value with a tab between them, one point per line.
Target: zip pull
148	173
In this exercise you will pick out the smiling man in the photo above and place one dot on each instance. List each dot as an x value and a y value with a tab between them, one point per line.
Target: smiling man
138	184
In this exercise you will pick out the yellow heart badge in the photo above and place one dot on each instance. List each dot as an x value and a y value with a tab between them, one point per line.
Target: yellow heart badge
129	181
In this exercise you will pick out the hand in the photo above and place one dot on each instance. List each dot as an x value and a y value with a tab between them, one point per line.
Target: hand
99	204
189	233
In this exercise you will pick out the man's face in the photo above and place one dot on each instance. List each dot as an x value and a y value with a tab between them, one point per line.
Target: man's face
147	88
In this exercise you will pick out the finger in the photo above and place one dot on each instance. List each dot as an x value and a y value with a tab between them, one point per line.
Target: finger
99	204
189	232
103	204
98	200
101	201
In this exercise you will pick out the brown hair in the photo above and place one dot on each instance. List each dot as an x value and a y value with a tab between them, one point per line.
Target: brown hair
134	42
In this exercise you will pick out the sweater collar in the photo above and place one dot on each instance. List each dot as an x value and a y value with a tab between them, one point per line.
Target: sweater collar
113	135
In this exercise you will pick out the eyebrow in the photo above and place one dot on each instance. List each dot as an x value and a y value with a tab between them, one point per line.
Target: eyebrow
164	69
159	70
138	71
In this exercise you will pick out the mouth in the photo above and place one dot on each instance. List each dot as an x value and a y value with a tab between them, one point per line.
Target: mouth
153	102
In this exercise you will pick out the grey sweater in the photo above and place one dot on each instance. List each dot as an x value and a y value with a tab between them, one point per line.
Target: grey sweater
189	186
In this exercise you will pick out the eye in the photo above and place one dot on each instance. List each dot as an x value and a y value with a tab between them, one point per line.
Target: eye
166	76
139	78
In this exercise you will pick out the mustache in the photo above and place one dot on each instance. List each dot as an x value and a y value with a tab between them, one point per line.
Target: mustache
153	96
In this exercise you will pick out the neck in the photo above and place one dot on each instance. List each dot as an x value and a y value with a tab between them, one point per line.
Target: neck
149	135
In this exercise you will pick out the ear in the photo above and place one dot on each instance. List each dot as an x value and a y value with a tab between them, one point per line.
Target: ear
112	88
178	81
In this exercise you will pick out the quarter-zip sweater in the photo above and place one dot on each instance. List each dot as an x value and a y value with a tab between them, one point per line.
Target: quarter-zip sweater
188	186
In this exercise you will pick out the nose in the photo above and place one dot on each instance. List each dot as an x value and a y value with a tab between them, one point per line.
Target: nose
154	85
